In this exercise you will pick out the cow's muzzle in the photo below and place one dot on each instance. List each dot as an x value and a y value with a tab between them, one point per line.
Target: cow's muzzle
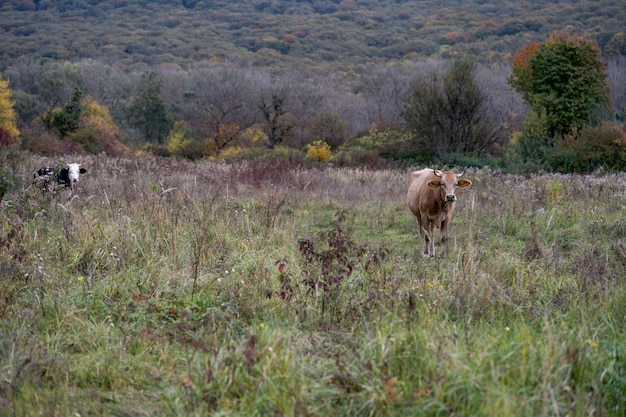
450	197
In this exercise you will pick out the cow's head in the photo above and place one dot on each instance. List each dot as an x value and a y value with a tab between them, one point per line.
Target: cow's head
448	182
74	171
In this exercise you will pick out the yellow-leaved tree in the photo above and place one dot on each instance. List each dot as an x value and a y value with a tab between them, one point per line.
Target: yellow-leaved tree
97	131
9	133
180	142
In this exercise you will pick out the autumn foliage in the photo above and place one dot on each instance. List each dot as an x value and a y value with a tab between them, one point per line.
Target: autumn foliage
564	77
9	133
97	131
522	70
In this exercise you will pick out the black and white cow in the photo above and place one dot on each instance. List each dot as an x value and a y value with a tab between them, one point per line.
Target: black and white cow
71	174
47	178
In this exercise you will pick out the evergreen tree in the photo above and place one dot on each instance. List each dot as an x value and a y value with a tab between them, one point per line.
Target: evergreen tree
147	112
66	120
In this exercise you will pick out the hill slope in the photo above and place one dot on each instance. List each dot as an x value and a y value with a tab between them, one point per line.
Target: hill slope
280	33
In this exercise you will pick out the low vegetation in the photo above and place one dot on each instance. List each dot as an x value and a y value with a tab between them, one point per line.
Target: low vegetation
287	288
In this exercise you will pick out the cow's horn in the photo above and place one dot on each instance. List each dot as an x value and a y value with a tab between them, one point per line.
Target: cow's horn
461	174
437	172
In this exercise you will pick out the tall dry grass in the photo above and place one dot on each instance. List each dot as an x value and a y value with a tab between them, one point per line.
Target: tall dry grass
166	287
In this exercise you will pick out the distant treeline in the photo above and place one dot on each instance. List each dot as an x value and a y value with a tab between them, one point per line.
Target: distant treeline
207	79
217	109
282	34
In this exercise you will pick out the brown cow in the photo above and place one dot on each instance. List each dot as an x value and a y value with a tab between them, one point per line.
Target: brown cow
431	199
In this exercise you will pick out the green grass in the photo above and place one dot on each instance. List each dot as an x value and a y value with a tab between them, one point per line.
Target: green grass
186	294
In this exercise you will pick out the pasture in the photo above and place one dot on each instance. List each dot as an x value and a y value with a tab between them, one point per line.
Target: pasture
174	288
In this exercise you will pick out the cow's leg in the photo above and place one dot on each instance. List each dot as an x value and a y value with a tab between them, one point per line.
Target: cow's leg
426	239
429	238
444	237
426	231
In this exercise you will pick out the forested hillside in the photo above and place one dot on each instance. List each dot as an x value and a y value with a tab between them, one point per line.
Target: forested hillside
293	33
323	78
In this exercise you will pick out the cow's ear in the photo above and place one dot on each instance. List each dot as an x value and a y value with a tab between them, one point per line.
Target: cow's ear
434	183
464	183
82	170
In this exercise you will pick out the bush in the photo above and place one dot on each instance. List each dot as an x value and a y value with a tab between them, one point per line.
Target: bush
38	140
603	146
562	159
156	149
331	127
319	151
388	143
530	143
181	143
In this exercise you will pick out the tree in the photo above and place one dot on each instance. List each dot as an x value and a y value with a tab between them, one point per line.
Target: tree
616	75
449	114
147	112
383	89
97	131
565	78
278	128
218	103
533	140
330	128
180	142
66	120
9	133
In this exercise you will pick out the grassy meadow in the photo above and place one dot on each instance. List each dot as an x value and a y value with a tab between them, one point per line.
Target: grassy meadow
175	288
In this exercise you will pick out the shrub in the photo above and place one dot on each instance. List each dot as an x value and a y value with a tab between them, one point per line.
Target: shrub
319	151
603	146
534	137
38	140
331	127
388	143
594	147
156	149
181	143
328	266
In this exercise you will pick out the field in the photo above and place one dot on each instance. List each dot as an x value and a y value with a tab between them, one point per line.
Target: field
282	288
